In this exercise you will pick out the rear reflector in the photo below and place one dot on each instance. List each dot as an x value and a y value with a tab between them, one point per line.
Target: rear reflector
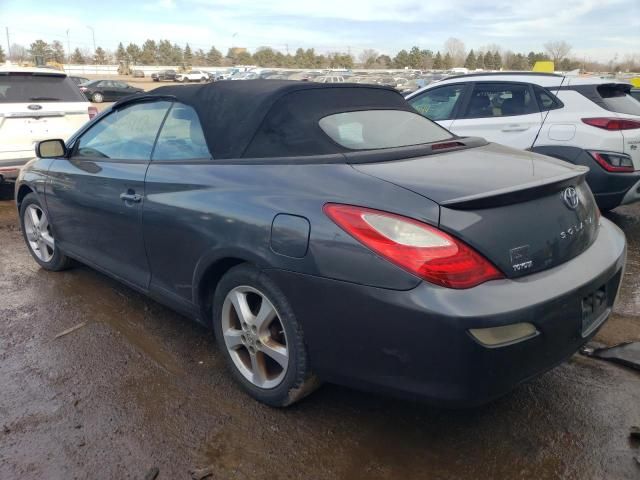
93	111
612	123
613	162
421	249
505	335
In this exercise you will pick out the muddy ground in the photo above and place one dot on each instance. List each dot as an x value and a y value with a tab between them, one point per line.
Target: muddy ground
140	387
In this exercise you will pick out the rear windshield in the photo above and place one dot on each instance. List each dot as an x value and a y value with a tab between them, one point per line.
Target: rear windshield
372	129
28	87
617	99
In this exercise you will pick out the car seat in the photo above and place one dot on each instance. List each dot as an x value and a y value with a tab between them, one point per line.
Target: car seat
514	105
480	106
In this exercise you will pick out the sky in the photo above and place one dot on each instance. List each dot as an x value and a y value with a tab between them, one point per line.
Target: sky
599	30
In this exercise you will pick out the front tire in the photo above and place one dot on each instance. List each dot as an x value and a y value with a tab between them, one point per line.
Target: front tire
260	337
38	235
97	98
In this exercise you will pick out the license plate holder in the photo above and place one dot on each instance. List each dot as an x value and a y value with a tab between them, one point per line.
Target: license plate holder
595	307
38	128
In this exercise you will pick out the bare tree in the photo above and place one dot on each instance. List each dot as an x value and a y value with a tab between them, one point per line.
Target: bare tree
455	48
368	57
18	53
558	50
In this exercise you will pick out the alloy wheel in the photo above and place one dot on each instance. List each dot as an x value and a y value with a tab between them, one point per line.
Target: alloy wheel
254	336
38	232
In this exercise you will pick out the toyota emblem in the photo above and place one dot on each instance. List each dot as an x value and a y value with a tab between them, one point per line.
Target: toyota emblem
570	197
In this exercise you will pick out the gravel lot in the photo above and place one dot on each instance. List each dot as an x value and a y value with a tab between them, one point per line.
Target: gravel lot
140	387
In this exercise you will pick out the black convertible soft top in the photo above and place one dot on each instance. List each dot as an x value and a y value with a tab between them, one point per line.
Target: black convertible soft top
273	118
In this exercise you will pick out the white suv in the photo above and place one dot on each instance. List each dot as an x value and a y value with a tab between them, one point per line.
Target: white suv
36	104
192	76
584	120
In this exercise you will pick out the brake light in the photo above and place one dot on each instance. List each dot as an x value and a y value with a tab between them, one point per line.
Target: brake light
421	249
613	162
93	111
445	145
612	123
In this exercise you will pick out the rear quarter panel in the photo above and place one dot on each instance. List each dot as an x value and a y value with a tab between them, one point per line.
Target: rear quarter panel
564	126
197	214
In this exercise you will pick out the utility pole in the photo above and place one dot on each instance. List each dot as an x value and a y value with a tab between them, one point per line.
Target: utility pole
8	42
68	46
93	33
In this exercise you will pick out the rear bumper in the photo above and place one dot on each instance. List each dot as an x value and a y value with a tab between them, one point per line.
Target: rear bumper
610	189
12	162
633	194
417	343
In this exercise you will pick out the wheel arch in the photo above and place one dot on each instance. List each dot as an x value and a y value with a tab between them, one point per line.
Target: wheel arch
22	192
207	276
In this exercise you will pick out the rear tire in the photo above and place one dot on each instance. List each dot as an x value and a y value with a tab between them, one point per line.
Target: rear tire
97	98
262	325
38	234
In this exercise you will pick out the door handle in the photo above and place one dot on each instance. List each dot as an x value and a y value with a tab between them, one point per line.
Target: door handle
515	128
131	197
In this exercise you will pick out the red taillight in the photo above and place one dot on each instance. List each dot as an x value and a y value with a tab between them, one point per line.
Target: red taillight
613	162
417	247
93	111
445	145
612	123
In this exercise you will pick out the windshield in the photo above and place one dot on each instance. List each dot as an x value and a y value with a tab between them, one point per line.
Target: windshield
373	129
29	87
616	98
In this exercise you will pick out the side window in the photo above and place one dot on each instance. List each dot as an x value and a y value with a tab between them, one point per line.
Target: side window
126	134
438	103
546	99
181	137
500	100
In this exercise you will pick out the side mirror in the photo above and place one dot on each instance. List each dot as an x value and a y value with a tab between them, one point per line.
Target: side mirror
51	148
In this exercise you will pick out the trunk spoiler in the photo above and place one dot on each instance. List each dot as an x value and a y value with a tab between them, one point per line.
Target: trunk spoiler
516	193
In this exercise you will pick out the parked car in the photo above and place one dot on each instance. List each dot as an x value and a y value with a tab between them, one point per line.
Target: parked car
99	91
635	93
329	79
192	76
36	103
213	76
332	234
412	85
244	76
137	74
586	121
164	75
79	80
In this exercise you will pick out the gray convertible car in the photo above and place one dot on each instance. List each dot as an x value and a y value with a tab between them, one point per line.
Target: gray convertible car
331	233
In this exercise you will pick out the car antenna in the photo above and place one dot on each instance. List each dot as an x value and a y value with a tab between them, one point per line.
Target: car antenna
546	115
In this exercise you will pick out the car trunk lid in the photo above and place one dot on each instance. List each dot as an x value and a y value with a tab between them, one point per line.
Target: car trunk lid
37	105
512	206
22	125
616	97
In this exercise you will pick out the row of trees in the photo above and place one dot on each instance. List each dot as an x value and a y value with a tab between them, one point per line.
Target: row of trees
453	54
